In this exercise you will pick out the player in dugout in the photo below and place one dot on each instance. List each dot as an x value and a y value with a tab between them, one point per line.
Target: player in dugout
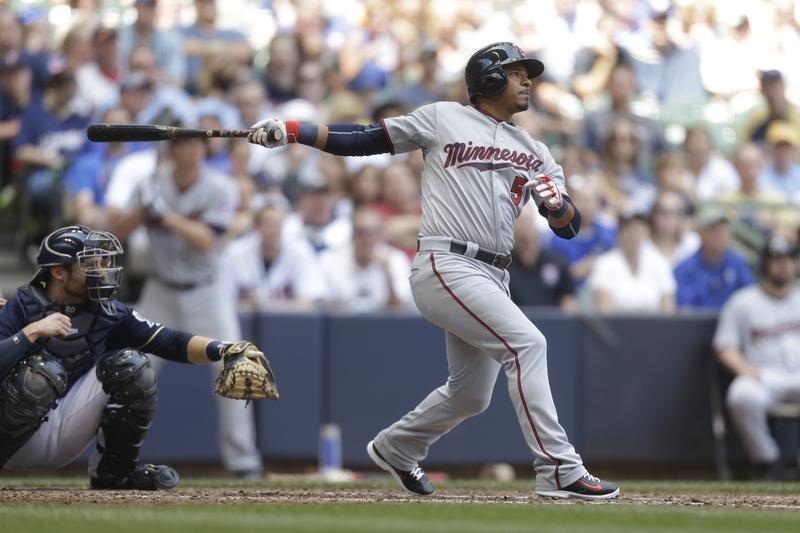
479	172
71	366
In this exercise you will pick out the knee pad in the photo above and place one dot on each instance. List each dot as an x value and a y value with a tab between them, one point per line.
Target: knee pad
27	394
128	377
34	385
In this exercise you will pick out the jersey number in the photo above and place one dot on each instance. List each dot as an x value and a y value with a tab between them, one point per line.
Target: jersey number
516	189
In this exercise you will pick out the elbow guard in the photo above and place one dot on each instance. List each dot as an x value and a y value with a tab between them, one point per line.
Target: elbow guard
570	230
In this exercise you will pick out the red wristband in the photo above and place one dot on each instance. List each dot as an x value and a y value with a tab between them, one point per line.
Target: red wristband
292	131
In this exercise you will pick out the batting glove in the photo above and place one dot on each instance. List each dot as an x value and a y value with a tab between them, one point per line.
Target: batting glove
270	133
546	191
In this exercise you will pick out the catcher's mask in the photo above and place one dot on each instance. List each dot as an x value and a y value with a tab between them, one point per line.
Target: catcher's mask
93	251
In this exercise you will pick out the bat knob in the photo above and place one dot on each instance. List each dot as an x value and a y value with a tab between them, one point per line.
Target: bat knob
275	135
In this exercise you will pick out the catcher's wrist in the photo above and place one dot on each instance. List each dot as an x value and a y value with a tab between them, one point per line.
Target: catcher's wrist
214	350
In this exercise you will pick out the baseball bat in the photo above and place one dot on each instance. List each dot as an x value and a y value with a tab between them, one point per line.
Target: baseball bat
139	132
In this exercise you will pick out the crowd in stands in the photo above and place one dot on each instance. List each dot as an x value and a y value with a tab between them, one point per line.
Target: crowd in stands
676	122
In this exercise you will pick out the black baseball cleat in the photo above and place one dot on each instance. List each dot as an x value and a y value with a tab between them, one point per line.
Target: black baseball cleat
586	487
413	481
143	477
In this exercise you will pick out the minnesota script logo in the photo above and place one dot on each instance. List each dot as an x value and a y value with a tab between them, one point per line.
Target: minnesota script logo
489	158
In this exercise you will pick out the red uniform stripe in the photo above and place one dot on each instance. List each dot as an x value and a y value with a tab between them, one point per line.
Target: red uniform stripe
516	360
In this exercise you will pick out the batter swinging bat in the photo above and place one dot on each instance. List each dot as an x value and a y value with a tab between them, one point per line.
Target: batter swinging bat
136	132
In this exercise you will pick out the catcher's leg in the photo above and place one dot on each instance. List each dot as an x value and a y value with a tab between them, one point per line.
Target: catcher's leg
27	394
129	380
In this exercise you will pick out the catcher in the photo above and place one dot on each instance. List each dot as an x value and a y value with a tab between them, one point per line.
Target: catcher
71	366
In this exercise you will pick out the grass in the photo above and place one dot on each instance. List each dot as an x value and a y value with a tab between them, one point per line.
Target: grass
400	517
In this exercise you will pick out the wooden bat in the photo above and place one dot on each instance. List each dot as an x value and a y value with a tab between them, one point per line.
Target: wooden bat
107	133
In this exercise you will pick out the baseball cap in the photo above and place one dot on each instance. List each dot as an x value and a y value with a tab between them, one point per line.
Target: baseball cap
710	216
103	34
778	246
629	215
136	80
781	131
11	62
770	75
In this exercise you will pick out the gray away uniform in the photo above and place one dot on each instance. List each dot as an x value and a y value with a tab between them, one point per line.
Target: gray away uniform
767	331
472	181
183	292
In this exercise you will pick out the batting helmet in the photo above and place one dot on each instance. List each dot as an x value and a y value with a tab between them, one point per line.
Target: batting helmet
95	251
484	73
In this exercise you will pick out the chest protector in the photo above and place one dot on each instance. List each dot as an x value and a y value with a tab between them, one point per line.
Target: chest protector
79	351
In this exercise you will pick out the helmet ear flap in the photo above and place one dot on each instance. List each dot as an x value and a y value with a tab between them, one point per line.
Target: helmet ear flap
493	81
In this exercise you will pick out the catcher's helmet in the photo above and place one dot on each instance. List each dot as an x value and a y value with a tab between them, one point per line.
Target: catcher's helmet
484	73
95	251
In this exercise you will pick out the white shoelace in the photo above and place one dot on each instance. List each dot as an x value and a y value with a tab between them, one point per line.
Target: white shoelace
416	473
592	478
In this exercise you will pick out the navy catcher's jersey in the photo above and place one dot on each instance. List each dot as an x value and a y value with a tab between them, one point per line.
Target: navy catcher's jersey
94	332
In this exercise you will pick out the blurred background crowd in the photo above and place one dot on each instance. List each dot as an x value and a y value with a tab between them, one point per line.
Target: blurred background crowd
676	122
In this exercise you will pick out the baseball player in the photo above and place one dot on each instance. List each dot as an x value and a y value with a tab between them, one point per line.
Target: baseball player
758	339
186	207
479	171
71	366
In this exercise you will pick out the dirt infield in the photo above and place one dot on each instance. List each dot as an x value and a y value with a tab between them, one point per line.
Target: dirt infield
192	495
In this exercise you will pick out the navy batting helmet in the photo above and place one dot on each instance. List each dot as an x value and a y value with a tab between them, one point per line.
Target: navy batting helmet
94	251
484	73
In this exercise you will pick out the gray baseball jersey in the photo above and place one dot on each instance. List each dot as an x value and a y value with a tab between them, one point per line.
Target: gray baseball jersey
765	329
205	309
474	171
212	199
472	190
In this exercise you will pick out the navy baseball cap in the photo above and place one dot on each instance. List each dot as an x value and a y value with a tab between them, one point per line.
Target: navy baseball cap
770	75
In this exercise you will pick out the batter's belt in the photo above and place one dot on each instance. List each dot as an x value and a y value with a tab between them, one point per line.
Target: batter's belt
467	249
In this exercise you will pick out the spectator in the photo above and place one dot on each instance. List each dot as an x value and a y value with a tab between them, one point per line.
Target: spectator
777	107
98	79
595	236
311	85
186	207
12	47
665	68
203	39
756	339
626	186
755	210
365	186
708	278
280	78
367	274
427	88
16	95
315	217
783	172
167	44
177	103
50	137
632	277
217	148
708	174
597	125
400	206
537	276
86	180
266	271
136	95
669	231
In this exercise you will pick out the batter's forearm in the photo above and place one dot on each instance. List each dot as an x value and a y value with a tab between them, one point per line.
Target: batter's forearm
340	139
567	224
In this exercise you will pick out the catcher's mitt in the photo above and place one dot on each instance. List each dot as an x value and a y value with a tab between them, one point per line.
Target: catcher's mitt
245	374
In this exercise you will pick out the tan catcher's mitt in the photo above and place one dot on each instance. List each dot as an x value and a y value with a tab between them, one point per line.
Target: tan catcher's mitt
245	374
